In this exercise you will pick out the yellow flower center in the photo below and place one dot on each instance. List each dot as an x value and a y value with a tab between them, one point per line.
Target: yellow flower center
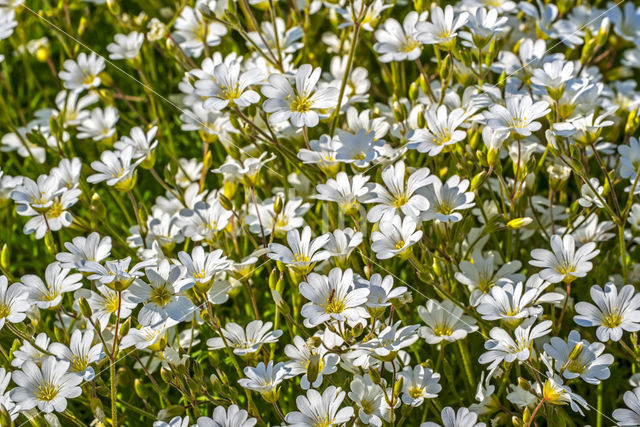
55	210
400	201
613	319
46	392
111	304
408	44
400	245
161	295
415	392
301	258
443	330
300	104
229	92
323	421
5	311
79	364
334	305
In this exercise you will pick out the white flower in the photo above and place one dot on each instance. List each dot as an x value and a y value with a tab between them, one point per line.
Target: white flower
483	25
163	298
613	313
317	409
480	275
398	43
629	159
589	197
145	337
395	196
126	46
519	116
381	293
227	417
246	171
578	358
442	28
502	347
629	417
512	302
7	23
390	340
395	237
564	263
360	148
444	321
47	387
446	199
201	266
104	304
553	77
58	281
117	168
289	219
72	107
193	32
143	143
229	87
243	341
442	131
101	124
13	302
33	353
82	73
342	242
463	418
370	400
333	297
304	355
82	249
80	353
297	106
204	220
419	383
302	252
264	379
116	274
68	172
344	192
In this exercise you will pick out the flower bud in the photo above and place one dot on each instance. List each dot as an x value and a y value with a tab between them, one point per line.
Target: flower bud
85	308
603	31
633	121
125	327
170	412
278	204
314	367
113	7
225	202
4	257
374	375
516	223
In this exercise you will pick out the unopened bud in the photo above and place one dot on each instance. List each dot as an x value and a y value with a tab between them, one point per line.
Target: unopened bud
314	367
225	202
516	223
374	375
85	308
278	205
124	328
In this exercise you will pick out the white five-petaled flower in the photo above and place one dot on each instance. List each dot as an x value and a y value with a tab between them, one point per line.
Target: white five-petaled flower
345	192
82	249
396	42
519	116
48	294
442	30
302	252
395	237
117	168
13	302
463	418
229	87
578	358
245	341
317	409
629	417
226	417
80	353
47	387
419	383
82	73
397	196
564	263
163	298
444	321
126	46
333	297
502	347
445	200
265	379
298	106
613	313
442	131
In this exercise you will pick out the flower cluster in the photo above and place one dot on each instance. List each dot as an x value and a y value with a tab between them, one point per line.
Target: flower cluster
319	213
